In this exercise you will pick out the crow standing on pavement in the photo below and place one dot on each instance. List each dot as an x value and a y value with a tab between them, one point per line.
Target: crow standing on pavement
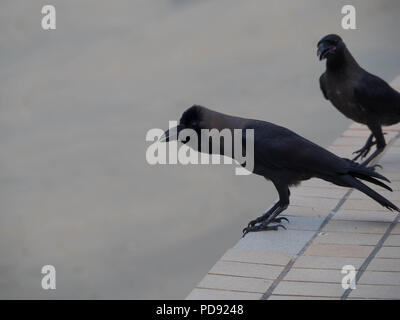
359	95
285	158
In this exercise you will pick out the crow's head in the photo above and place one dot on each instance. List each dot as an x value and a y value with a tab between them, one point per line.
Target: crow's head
329	46
191	119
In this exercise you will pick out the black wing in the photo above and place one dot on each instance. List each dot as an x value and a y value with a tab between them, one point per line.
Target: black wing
322	85
375	95
282	148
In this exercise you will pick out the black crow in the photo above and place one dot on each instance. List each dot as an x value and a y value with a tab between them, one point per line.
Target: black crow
359	95
285	158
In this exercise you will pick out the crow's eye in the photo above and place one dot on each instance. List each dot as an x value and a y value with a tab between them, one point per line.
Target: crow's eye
193	123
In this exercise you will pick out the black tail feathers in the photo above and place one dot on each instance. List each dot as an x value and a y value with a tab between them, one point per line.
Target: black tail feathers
351	181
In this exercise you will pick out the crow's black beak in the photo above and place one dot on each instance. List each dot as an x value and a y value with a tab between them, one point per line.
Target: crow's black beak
324	49
171	134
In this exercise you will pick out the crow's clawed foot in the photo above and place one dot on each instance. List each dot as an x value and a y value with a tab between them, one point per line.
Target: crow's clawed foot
252	223
362	153
265	226
262	227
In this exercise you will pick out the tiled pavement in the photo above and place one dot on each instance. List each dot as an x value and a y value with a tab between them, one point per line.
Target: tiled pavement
330	227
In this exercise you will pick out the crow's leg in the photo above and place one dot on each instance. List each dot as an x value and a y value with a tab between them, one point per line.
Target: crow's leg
361	153
271	215
380	143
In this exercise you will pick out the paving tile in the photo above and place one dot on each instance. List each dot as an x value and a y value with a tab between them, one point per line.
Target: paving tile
332	250
257	256
314	275
380	278
283	297
357	226
246	270
309	289
393	240
391	153
356	142
304	223
396	229
388	252
234	283
394	150
358	126
332	193
377	292
366	205
390	162
313	202
210	294
359	215
381	264
307	212
364	299
347	238
396	143
324	262
286	241
347	151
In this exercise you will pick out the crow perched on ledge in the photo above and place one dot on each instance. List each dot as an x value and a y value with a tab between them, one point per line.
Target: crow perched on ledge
357	94
285	158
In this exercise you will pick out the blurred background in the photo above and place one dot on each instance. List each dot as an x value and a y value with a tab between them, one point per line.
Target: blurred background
76	103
